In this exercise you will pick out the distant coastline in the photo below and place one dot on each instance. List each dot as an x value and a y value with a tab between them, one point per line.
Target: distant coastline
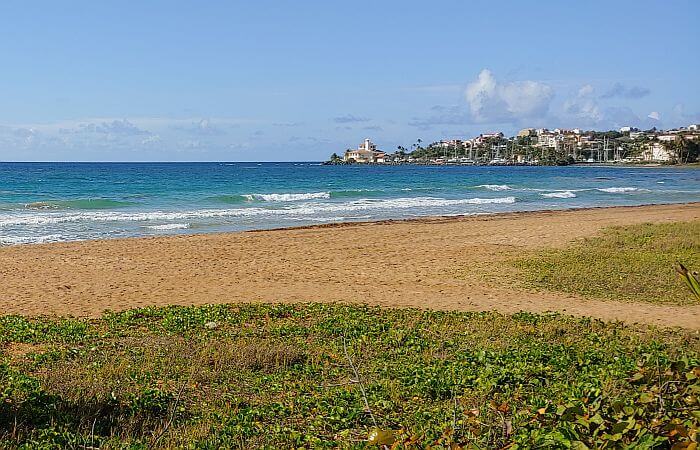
641	164
541	147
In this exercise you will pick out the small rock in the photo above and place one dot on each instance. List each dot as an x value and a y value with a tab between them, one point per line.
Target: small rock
210	325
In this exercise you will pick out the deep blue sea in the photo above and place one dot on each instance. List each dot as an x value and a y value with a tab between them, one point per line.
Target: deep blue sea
47	202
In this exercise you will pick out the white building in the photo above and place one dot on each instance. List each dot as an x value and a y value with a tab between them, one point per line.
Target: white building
366	153
482	138
656	151
550	140
666	137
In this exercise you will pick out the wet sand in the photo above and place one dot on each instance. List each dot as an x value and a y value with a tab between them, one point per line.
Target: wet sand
417	263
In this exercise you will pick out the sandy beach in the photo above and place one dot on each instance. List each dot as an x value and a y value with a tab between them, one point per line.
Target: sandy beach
417	263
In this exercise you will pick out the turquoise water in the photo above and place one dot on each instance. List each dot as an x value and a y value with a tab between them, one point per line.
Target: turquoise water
47	202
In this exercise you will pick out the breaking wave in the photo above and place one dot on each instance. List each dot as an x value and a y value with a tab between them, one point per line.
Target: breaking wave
82	203
16	240
306	209
495	187
621	190
559	194
169	226
287	197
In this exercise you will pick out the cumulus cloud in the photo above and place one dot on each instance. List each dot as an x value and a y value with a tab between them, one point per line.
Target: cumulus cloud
619	90
685	117
203	127
584	107
17	136
116	138
115	127
349	118
153	139
584	110
492	101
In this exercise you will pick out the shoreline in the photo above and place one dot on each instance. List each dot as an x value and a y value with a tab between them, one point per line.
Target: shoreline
427	219
344	224
398	263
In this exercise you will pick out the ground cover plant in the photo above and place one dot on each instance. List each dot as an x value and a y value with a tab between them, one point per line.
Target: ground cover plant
633	263
271	376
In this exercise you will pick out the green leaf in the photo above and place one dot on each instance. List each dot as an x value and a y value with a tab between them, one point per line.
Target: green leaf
646	398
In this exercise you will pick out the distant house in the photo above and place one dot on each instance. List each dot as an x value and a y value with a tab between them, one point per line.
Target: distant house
450	144
666	137
694	127
484	137
550	140
656	151
366	153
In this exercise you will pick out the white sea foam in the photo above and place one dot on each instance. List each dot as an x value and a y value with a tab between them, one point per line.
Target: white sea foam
559	194
413	202
169	226
620	190
303	209
288	197
16	240
496	187
49	219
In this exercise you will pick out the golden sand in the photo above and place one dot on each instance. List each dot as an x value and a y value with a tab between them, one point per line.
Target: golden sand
413	263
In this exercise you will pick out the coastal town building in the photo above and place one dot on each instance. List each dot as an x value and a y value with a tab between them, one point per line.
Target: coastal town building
547	139
484	137
366	153
666	137
452	143
657	152
535	146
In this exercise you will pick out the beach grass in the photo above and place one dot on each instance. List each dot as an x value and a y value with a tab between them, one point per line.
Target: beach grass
630	263
313	375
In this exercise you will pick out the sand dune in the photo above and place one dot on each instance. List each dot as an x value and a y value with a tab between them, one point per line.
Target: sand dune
397	264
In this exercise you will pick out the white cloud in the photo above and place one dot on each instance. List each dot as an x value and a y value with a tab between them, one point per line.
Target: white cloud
204	127
495	102
151	140
584	107
583	110
115	128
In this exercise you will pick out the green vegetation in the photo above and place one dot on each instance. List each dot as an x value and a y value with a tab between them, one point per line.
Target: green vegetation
634	263
284	376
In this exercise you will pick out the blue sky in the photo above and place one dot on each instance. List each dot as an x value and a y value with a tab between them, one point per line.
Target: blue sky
264	80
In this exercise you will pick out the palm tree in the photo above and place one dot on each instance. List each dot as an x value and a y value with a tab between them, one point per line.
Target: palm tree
335	159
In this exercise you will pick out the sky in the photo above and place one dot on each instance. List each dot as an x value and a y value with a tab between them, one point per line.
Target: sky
295	81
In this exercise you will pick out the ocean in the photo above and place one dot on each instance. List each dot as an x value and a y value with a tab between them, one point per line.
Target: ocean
52	202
